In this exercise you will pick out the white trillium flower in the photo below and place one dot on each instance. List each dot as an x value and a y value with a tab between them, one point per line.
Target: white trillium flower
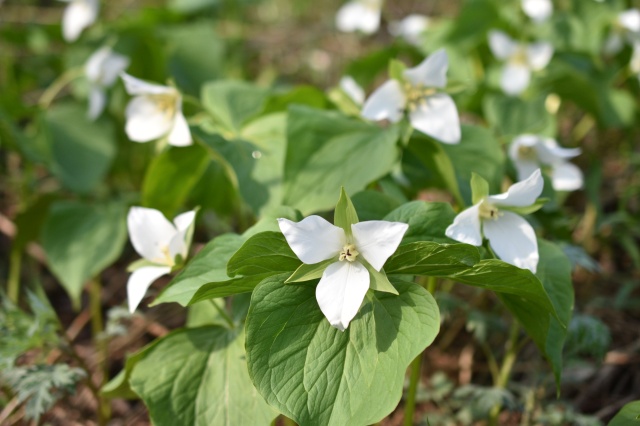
345	282
521	59
359	15
430	110
410	28
626	27
529	153
352	89
511	237
155	111
158	241
102	70
537	10
78	15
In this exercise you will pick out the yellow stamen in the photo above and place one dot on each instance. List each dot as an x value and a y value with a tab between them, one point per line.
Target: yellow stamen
349	253
488	210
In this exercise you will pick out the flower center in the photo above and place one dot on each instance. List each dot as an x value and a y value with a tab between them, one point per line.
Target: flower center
527	153
348	253
519	57
166	104
167	259
417	95
488	210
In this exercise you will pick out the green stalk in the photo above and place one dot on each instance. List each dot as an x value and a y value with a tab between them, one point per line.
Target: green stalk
13	282
52	91
507	366
414	380
223	313
97	327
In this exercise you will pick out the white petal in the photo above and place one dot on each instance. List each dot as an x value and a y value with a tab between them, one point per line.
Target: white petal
386	103
502	46
178	244
97	102
438	118
136	86
150	233
521	194
78	15
524	167
550	152
539	54
113	66
93	67
180	134
613	44
377	240
139	282
356	15
513	240
183	221
313	239
352	89
432	72
537	10
410	28
630	20
466	227
515	78
341	291
146	121
566	177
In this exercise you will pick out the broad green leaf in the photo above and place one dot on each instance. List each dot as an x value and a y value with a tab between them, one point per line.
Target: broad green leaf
479	188
512	116
229	287
326	151
171	176
318	375
263	253
81	240
427	221
373	205
345	214
199	377
191	6
629	415
232	104
433	259
299	95
81	151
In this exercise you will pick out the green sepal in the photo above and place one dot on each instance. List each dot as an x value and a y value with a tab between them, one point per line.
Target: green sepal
479	188
309	272
540	202
344	102
396	70
378	279
345	214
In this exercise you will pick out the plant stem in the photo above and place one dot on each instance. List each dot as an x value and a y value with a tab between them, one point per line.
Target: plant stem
431	285
52	91
97	327
507	365
13	282
223	313
414	380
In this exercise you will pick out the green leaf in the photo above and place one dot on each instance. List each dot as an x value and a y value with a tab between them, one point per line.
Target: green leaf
427	221
345	214
263	253
171	176
232	104
629	415
378	279
81	240
373	205
226	288
300	95
81	151
191	6
540	202
309	272
396	70
326	151
512	116
479	188
318	375
432	259
199	377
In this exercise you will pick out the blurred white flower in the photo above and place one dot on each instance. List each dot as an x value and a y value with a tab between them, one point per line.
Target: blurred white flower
359	15
102	70
521	59
511	237
352	89
344	282
155	111
159	242
537	10
634	64
430	110
78	15
410	28
530	152
626	28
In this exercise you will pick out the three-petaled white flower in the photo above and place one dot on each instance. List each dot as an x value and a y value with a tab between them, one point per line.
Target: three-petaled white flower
155	111
537	10
626	27
530	152
359	15
159	242
511	237
410	28
521	58
78	15
102	70
344	282
430	110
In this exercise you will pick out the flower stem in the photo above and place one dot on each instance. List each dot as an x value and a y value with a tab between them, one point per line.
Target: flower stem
223	313
507	366
13	281
414	380
97	327
52	91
